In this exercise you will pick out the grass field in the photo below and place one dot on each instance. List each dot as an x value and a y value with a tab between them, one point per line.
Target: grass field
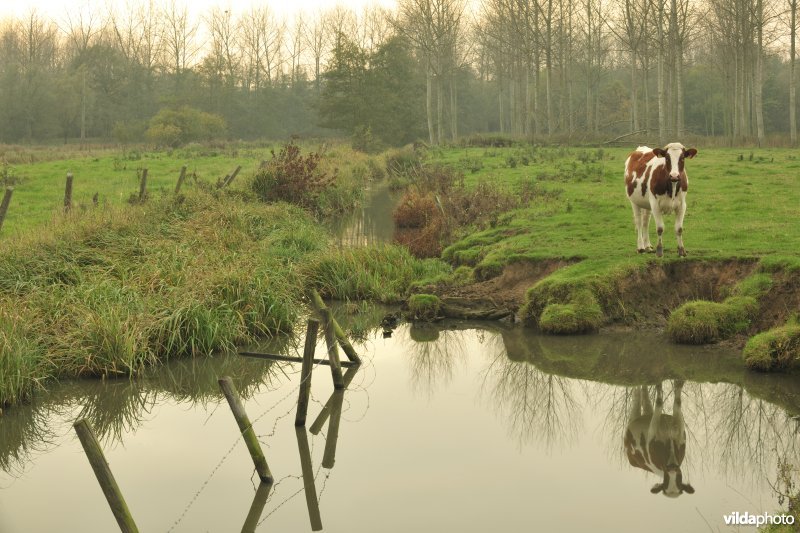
741	203
742	206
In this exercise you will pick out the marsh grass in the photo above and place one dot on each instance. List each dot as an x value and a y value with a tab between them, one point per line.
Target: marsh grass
703	322
381	273
775	349
112	292
23	364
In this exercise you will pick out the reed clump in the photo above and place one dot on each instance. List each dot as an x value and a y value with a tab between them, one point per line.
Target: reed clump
114	291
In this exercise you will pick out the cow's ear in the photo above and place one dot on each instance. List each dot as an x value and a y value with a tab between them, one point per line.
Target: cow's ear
659	152
690	153
658	487
687	488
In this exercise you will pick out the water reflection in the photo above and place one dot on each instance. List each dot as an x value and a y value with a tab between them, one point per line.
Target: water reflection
372	223
118	407
655	441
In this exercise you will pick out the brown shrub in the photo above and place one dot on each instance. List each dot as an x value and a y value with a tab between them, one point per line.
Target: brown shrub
415	210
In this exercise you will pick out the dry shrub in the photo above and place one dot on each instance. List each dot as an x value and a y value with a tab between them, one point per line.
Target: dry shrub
415	209
438	204
423	242
292	177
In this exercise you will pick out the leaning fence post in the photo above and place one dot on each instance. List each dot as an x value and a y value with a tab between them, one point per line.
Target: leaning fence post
230	178
143	186
305	374
325	412
68	193
329	457
308	479
333	349
349	351
180	180
4	205
246	428
104	476
256	508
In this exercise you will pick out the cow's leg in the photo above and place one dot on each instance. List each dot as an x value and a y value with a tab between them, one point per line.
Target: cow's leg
647	406
638	213
646	230
636	404
677	413
679	227
656	419
659	225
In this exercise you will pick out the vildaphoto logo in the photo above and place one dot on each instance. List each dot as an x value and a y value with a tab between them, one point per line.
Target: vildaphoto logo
747	519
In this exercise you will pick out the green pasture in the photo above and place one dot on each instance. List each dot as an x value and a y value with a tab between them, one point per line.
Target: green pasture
741	203
114	176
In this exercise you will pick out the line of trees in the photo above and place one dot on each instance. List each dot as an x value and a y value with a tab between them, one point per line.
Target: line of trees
430	69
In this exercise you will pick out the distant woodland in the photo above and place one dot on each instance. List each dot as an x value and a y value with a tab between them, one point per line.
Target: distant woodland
431	70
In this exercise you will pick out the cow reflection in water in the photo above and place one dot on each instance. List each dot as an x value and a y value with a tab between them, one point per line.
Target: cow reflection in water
656	442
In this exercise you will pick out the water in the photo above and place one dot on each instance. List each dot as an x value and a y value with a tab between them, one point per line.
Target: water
461	427
371	223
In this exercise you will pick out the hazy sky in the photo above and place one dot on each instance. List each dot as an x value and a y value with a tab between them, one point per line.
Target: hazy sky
57	9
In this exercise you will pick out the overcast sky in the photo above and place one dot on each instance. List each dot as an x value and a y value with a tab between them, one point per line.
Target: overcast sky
57	9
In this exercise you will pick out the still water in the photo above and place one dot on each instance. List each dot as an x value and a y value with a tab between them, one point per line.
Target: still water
459	427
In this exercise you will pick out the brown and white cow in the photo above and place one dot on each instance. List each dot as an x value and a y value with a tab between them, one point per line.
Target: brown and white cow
656	182
656	442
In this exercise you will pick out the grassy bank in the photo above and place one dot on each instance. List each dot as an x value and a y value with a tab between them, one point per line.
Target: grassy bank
113	290
740	206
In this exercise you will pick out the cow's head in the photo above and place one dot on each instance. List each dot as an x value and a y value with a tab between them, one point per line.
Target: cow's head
674	154
673	485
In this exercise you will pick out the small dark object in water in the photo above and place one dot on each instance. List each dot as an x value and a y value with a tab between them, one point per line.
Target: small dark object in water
390	321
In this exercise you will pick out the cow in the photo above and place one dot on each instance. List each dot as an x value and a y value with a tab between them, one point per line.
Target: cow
656	183
656	442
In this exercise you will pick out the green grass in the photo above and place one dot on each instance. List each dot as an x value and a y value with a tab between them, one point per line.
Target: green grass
580	212
381	273
40	176
703	322
776	349
424	306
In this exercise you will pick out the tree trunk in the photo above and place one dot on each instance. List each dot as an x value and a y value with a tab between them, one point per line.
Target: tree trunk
792	75
429	105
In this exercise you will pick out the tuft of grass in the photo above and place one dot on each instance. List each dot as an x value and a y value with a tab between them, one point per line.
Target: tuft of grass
702	322
774	350
381	272
424	306
581	315
23	365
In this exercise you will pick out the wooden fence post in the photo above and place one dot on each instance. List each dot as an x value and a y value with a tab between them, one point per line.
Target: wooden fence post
230	178
333	349
104	476
4	205
319	305
329	457
256	508
246	428
308	479
305	374
68	193
325	412
143	186
180	180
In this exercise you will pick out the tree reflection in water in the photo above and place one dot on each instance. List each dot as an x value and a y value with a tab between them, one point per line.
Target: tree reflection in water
434	354
118	407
